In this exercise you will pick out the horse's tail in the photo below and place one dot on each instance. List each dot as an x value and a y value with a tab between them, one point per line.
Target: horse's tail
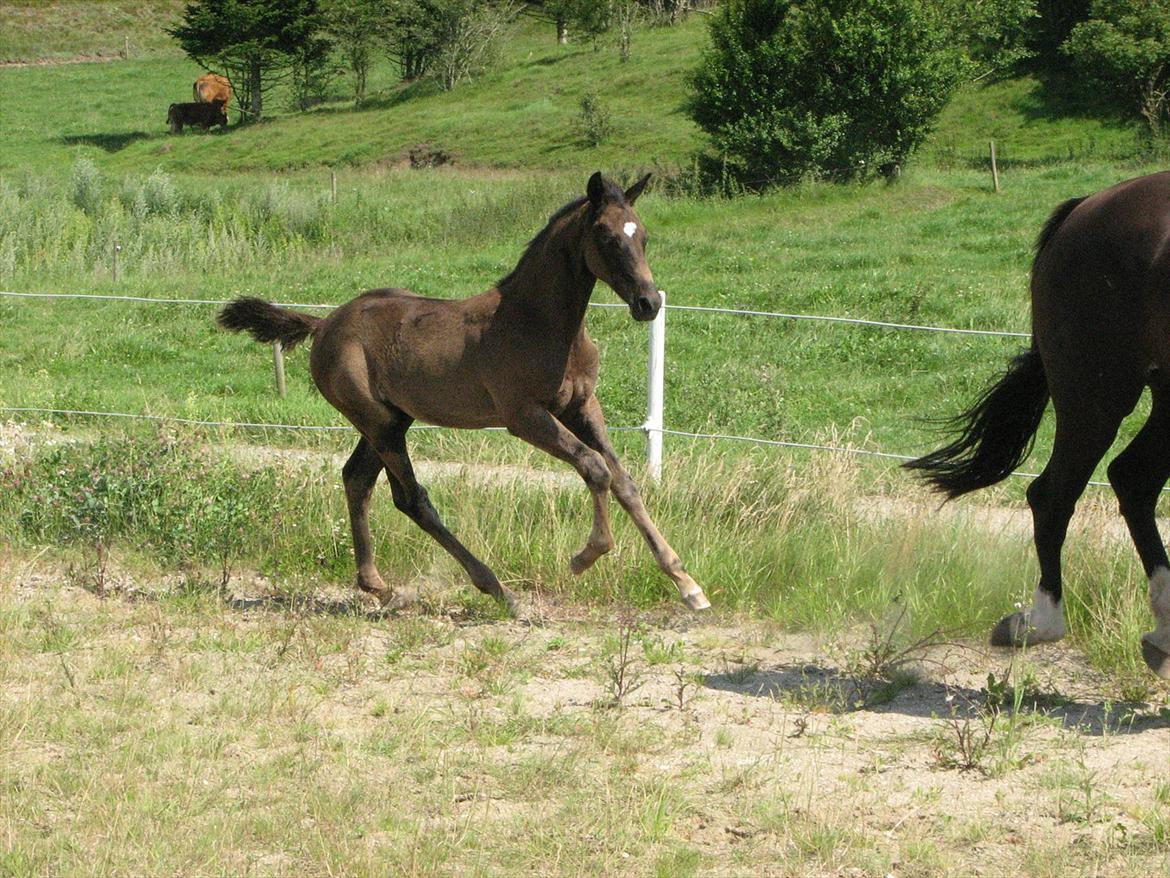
267	323
1055	221
995	434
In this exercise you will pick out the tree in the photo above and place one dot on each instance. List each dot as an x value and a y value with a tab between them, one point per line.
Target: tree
312	68
452	39
994	34
469	42
1054	22
573	18
358	29
840	88
253	42
1124	48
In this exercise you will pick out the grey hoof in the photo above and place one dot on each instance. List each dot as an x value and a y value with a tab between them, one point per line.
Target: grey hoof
1156	658
1010	631
696	600
580	562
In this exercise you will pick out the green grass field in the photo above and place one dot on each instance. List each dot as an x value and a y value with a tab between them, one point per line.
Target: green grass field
85	166
188	683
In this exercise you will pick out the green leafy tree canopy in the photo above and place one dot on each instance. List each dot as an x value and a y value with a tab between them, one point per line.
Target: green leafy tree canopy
1124	47
839	88
253	42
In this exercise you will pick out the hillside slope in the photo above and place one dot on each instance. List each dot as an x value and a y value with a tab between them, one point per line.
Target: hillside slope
524	116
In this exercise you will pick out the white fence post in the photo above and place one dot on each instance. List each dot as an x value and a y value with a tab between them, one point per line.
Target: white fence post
655	392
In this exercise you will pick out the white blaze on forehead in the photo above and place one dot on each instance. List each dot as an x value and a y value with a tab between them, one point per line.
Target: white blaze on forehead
629	228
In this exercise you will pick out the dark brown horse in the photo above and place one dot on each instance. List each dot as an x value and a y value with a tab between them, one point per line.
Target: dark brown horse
1100	335
516	356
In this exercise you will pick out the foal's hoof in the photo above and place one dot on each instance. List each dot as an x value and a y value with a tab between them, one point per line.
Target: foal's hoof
517	608
1157	658
696	600
398	600
581	562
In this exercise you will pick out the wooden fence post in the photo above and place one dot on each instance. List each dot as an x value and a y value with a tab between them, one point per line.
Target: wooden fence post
114	266
278	365
333	184
994	168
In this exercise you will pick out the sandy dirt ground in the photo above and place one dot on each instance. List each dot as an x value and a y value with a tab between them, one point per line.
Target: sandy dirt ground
735	749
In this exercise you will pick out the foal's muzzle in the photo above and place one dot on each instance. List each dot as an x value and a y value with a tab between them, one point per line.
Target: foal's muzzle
644	304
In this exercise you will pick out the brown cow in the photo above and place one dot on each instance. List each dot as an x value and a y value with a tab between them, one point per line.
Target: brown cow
203	115
212	87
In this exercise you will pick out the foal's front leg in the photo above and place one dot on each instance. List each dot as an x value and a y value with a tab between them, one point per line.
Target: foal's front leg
588	423
538	427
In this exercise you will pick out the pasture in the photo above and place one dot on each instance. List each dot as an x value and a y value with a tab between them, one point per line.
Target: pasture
188	684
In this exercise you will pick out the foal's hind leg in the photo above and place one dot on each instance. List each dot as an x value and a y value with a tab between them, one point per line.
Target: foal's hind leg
411	498
383	429
360	474
1138	475
1082	438
589	426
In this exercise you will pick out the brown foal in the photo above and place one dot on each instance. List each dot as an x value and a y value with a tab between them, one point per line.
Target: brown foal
516	356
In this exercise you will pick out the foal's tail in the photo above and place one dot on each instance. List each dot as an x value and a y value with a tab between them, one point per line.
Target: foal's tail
267	323
995	434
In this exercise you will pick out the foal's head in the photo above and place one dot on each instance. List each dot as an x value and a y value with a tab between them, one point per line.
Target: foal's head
615	245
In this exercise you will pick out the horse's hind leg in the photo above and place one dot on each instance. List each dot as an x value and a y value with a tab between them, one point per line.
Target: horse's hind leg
411	498
589	426
360	474
1138	475
1084	432
383	428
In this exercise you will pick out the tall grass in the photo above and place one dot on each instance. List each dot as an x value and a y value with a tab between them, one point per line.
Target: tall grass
794	543
67	228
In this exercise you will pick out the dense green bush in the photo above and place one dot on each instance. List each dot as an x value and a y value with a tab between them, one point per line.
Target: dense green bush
843	88
165	495
1124	49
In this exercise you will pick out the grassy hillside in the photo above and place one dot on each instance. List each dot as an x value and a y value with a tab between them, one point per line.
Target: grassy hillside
524	116
55	30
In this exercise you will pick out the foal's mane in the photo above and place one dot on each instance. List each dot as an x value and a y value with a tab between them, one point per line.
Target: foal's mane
613	192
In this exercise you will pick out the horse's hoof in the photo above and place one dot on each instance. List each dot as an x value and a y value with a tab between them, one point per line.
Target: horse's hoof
398	600
1018	630
1011	631
580	562
696	600
1156	657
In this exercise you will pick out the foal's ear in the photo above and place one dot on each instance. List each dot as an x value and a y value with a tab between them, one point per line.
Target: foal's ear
634	191
595	189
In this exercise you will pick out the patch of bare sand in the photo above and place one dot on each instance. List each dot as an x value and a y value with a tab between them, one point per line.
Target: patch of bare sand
755	728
